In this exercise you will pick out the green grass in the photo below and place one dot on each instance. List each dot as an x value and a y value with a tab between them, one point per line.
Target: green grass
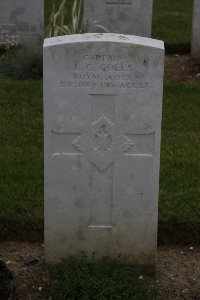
21	153
180	168
172	20
84	279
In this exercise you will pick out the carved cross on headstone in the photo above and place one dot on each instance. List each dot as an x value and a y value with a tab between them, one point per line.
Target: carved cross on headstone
103	142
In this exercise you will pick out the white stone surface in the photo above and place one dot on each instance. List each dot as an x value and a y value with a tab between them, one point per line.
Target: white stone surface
21	21
102	128
195	47
119	16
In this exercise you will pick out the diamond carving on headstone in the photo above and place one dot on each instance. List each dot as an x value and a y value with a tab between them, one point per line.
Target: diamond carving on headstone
102	142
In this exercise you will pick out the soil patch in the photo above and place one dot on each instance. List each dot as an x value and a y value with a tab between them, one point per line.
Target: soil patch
178	272
30	282
168	233
182	68
178	234
178	275
21	232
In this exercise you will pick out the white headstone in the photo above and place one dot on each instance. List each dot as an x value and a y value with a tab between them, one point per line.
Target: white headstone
102	127
21	22
120	16
195	47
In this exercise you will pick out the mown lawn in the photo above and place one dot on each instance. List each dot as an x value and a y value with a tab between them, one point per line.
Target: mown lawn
172	20
21	153
180	168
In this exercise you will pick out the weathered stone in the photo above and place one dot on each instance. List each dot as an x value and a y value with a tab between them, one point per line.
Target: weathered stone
120	16
102	119
195	47
21	22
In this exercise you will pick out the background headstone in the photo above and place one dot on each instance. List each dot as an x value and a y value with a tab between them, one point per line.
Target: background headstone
119	16
21	22
102	127
195	47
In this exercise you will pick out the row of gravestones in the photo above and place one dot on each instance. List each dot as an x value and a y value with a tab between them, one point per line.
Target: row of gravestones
21	21
102	132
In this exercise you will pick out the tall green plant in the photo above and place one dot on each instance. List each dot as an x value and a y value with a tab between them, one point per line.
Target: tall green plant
58	24
76	25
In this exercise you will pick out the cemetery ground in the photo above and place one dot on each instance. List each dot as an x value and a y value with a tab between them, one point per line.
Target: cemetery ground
178	272
21	182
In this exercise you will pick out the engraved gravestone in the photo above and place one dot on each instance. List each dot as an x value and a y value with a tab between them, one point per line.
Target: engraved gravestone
102	127
195	47
21	22
120	16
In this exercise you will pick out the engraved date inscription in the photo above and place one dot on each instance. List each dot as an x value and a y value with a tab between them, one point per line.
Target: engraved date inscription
105	71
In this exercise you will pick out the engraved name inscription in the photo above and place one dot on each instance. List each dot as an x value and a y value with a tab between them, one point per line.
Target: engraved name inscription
105	71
